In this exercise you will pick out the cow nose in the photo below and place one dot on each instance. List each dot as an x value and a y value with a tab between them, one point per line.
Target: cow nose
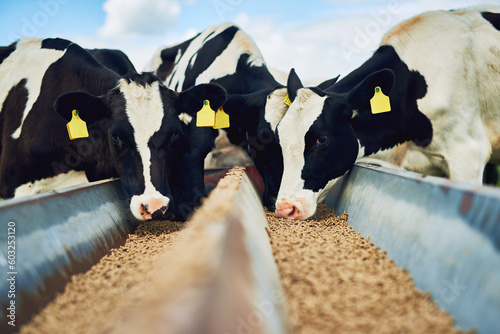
155	208
287	210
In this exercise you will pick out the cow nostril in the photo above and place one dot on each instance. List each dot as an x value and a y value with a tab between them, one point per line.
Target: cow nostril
292	211
145	206
163	208
145	214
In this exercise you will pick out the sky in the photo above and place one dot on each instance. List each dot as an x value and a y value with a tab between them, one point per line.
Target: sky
319	38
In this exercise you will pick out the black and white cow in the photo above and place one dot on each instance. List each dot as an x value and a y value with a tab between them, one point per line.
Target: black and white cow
226	55
441	71
134	126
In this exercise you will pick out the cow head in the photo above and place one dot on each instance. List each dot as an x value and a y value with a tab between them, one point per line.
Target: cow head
145	135
254	118
318	142
187	177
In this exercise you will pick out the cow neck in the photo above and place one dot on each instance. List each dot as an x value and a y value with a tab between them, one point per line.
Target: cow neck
404	122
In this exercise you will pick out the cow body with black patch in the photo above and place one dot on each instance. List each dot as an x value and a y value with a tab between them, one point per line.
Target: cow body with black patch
226	55
115	60
133	121
441	72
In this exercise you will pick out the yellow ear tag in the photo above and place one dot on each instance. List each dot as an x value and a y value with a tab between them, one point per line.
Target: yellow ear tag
287	100
221	119
206	116
380	102
77	128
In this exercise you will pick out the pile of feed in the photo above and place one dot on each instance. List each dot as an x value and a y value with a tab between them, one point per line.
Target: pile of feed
338	282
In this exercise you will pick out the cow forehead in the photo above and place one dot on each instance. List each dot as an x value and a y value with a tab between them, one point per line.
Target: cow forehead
302	113
144	108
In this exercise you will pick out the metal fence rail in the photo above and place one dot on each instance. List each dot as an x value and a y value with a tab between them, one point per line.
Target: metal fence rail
446	234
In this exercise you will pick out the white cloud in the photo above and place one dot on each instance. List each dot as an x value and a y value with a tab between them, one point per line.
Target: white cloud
138	18
316	49
323	49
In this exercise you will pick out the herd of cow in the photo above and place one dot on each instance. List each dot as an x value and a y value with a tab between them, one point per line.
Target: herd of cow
428	100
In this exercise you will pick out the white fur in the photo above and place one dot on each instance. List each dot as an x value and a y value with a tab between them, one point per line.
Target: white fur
144	109
305	109
69	179
185	118
275	107
462	69
224	64
28	61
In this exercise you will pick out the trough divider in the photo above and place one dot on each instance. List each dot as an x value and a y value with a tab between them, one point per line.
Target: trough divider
221	276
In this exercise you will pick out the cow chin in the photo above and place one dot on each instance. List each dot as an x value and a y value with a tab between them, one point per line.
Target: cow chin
298	208
149	206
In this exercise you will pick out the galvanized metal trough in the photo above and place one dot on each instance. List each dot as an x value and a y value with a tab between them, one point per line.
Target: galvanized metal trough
446	234
46	238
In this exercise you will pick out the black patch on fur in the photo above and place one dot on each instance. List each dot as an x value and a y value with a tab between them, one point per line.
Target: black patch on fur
336	156
115	60
55	44
404	122
168	56
493	18
207	54
5	51
293	84
144	79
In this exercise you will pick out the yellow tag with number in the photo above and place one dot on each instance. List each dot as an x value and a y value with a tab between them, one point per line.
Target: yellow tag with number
287	100
77	128
221	119
380	102
206	115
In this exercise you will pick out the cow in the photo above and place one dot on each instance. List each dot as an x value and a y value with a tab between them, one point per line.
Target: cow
438	72
226	55
134	127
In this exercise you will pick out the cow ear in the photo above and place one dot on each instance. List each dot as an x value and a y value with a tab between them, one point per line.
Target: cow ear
293	84
359	97
91	108
191	100
328	83
243	111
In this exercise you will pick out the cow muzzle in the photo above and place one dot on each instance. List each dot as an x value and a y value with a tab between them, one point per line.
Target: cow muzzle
149	207
292	209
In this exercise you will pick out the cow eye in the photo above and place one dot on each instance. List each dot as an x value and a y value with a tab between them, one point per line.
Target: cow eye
322	140
269	97
116	140
174	137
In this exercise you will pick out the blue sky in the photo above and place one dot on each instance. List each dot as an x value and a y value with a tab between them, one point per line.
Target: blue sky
320	38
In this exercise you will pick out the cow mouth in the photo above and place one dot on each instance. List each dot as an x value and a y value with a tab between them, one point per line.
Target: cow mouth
157	214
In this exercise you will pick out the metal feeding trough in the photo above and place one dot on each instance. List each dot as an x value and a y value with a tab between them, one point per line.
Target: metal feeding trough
446	234
53	236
